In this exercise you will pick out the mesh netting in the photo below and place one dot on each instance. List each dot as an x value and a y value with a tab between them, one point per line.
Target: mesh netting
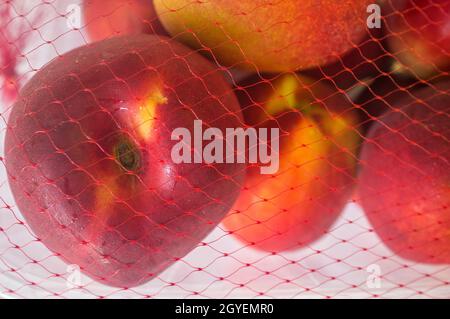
90	210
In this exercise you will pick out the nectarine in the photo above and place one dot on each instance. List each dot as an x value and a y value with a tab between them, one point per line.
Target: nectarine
14	37
420	35
104	19
271	36
318	144
405	173
368	60
88	154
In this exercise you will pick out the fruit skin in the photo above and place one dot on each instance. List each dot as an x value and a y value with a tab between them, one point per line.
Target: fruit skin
88	150
267	36
405	175
420	36
104	19
318	142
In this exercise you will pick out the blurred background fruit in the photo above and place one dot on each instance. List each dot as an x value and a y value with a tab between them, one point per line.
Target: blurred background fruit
404	183
318	145
104	19
88	155
419	36
15	36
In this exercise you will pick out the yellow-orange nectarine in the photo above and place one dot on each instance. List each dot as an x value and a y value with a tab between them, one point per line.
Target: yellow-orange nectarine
318	142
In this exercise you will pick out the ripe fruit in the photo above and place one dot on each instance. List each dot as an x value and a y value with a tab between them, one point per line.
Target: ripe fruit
8	74
271	36
104	19
318	142
88	154
405	174
420	35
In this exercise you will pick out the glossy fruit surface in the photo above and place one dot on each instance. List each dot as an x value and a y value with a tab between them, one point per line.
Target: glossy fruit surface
88	154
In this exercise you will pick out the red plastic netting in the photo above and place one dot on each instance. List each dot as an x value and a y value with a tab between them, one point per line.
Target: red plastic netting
359	204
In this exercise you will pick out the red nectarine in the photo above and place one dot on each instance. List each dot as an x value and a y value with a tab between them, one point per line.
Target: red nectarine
104	19
405	174
88	154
